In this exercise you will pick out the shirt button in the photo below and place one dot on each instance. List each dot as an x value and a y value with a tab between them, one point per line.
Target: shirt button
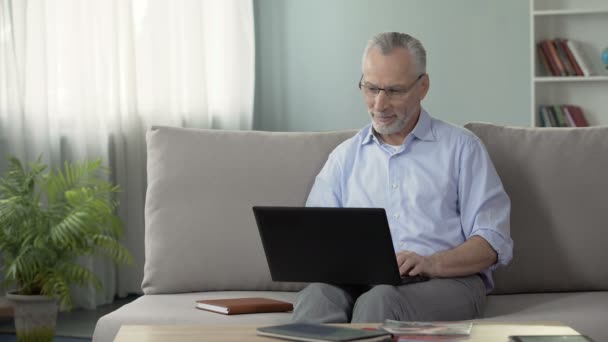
395	185
396	216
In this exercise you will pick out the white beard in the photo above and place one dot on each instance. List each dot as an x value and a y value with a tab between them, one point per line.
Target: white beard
392	128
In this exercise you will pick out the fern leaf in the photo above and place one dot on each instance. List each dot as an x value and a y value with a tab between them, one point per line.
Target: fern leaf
56	286
112	248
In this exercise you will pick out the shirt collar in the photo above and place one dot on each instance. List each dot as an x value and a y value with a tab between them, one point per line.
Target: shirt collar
422	130
368	136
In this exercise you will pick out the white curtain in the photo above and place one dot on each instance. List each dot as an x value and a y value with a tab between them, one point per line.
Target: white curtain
82	79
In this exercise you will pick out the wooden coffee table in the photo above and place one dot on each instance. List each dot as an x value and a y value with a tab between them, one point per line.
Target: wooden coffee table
482	331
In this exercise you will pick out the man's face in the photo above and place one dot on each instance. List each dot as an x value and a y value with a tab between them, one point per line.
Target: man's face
392	110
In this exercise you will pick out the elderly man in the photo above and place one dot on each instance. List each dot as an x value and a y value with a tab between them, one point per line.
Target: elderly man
447	209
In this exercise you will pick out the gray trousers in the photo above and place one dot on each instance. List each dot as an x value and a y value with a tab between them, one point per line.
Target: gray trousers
439	299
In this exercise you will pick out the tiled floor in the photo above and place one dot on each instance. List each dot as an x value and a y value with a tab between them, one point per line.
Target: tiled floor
77	323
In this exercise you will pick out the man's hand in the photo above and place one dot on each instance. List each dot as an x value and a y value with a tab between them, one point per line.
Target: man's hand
471	257
412	264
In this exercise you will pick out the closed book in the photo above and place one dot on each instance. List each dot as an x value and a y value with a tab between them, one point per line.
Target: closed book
575	118
323	333
569	117
578	116
541	118
235	306
564	58
552	116
544	59
578	55
555	58
561	118
545	115
577	68
544	45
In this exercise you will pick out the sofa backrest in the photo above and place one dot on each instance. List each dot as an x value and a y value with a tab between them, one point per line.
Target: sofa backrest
201	234
200	230
557	179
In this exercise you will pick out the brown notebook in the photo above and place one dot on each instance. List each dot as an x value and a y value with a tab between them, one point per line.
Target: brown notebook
235	306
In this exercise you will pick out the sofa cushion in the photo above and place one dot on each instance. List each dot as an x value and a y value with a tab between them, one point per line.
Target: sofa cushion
170	309
200	229
557	179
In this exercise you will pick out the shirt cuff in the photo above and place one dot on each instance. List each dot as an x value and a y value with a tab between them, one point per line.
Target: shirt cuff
503	246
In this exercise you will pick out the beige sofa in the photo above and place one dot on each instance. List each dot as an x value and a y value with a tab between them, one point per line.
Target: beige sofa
202	242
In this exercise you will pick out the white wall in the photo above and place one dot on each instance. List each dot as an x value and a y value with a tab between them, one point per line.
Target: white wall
309	54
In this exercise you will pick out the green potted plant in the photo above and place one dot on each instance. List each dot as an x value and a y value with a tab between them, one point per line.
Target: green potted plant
49	218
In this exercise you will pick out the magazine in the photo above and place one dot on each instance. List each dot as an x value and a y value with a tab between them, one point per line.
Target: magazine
427	328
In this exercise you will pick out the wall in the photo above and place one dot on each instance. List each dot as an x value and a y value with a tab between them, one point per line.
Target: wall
308	59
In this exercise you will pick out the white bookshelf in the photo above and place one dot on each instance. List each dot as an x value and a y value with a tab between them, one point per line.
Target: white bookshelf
599	10
540	79
586	22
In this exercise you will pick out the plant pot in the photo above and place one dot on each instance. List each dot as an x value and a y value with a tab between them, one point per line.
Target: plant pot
35	317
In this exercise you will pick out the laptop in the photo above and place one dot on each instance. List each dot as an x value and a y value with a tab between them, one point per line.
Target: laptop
348	246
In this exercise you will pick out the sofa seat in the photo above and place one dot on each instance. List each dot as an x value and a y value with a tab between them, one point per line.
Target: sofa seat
180	308
585	312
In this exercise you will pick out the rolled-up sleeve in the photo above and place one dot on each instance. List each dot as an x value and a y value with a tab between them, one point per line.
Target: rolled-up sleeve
485	207
326	191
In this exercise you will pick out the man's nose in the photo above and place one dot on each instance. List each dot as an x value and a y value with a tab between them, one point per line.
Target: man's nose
381	101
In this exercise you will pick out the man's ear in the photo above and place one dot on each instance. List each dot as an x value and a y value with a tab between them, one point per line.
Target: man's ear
424	86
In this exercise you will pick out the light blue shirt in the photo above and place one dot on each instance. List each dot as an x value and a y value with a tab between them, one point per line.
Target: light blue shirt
439	188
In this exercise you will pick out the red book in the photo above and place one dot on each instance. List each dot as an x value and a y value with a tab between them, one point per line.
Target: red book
235	306
568	116
563	58
577	68
547	53
544	58
577	115
555	58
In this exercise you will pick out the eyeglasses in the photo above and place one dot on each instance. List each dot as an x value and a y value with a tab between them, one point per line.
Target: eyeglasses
371	91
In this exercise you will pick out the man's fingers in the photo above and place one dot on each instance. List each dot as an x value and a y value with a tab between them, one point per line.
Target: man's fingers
402	256
400	259
410	263
416	270
406	266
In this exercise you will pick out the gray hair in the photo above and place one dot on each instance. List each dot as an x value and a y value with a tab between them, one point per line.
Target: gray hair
388	41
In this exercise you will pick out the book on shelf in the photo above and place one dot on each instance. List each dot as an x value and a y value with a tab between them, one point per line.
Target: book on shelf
578	56
577	115
545	59
322	333
561	116
561	71
552	116
577	69
235	306
562	57
568	117
543	116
